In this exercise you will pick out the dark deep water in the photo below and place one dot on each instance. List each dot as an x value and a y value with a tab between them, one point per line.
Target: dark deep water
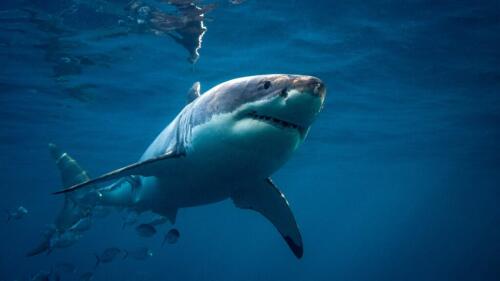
398	179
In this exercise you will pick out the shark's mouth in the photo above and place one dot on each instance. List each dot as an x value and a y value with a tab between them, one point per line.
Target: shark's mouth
275	121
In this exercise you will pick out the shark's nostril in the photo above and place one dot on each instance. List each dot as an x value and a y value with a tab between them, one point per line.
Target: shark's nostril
319	89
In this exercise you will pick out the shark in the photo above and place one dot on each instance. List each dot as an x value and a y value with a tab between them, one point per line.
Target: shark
224	144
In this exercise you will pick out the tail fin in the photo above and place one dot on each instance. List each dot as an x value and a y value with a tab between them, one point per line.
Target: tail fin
71	173
71	212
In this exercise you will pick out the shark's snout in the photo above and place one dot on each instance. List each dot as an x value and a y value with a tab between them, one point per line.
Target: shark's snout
310	85
292	104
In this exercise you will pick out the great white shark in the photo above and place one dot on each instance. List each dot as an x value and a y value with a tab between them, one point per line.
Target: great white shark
224	144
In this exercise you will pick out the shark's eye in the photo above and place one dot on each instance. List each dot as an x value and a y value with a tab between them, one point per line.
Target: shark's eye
267	84
284	93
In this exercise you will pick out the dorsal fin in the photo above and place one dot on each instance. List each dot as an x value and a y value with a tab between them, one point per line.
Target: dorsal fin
71	172
194	92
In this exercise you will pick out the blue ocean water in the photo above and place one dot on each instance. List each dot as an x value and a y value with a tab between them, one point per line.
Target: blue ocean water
397	180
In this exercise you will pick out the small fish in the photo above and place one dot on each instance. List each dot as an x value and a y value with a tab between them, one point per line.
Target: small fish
236	2
17	214
41	276
46	276
171	237
130	219
63	239
107	255
100	211
158	220
145	230
82	225
65	267
141	253
87	276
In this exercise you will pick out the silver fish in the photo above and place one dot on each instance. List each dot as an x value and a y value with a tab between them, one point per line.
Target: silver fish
158	220
17	214
65	267
130	219
145	230
87	276
41	276
107	255
64	239
100	211
172	236
141	253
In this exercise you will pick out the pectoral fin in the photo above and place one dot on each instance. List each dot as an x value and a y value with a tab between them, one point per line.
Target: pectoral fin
266	199
144	168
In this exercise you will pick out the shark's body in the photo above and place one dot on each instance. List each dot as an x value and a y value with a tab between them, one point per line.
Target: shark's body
223	144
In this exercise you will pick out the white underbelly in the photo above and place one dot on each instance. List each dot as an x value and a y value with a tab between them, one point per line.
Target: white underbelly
221	158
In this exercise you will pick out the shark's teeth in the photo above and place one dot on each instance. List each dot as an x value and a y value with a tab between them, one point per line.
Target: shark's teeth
273	120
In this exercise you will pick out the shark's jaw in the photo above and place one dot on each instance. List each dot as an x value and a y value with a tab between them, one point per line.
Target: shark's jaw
289	116
279	123
257	137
